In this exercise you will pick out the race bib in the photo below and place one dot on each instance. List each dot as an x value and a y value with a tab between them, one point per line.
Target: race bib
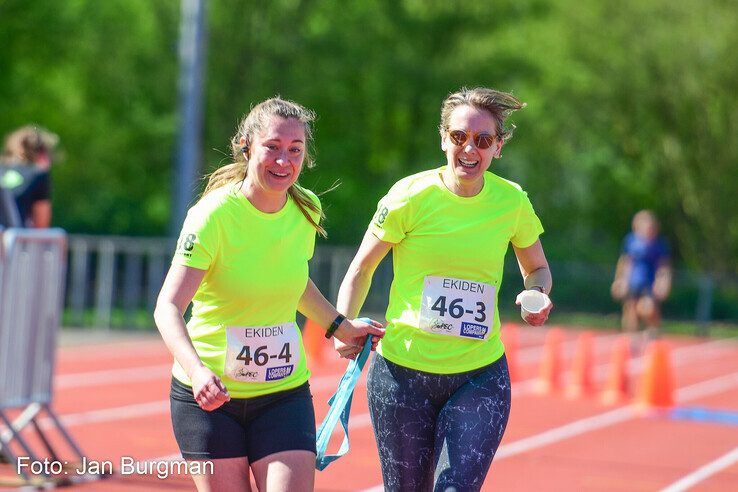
457	307
259	354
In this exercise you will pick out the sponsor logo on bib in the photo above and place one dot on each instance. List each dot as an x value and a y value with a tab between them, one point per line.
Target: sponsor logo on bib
281	372
473	330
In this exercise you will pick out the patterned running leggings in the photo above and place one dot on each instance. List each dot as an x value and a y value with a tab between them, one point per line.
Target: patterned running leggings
437	431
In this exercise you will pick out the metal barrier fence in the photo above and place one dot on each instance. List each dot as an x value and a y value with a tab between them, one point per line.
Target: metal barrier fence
114	281
32	269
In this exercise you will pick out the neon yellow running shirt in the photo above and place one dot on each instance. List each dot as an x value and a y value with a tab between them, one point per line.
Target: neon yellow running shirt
243	313
448	257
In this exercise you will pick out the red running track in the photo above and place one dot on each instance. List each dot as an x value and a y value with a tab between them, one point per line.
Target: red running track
113	398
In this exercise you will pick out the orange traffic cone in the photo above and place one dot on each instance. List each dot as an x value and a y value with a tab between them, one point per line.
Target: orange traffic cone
616	388
313	339
581	383
550	369
510	339
656	388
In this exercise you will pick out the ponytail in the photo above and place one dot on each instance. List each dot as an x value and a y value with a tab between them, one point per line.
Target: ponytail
231	173
306	205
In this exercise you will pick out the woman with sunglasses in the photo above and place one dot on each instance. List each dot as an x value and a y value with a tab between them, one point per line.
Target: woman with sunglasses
239	393
439	387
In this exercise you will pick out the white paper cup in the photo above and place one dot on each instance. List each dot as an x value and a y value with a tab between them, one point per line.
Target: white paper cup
531	302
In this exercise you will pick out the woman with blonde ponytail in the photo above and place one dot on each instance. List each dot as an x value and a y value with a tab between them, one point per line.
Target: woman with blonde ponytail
239	395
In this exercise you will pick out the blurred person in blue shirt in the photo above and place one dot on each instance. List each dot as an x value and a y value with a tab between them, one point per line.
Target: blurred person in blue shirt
643	275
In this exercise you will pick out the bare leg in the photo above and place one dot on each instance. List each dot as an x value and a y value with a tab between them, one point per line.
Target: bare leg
229	474
287	471
630	316
649	310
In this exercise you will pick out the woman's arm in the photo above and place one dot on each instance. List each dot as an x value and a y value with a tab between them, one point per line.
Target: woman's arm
356	283
358	279
662	282
179	287
313	305
41	214
536	275
619	287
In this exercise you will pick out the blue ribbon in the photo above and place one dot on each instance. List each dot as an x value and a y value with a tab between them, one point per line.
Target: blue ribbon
340	404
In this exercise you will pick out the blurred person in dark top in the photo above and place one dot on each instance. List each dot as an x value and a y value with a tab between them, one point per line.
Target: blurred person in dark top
25	184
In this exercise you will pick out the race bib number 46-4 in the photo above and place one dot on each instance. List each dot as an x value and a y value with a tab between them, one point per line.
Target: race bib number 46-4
260	354
457	307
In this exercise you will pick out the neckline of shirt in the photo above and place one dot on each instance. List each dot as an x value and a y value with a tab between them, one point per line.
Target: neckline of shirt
243	199
461	199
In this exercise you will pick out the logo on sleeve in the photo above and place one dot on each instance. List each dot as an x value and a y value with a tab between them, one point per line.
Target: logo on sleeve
381	215
186	244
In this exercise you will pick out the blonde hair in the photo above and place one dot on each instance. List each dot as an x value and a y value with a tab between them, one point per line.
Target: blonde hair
25	144
249	126
498	104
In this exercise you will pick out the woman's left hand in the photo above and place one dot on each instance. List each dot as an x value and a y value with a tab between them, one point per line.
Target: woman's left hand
345	350
537	319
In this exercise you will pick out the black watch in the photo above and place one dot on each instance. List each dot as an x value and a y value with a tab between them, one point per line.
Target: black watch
334	326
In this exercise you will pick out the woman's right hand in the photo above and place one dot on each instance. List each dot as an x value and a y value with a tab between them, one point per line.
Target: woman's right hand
353	332
208	390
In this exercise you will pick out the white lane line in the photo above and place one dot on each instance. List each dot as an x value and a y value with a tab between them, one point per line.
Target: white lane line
567	431
531	354
111	376
148	373
112	414
162	406
695	391
330	382
707	388
704	472
112	350
612	417
103	377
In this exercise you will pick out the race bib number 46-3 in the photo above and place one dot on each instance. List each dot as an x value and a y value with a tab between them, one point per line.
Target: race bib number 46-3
457	307
260	354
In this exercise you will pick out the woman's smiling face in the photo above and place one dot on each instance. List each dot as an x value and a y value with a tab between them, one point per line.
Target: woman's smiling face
467	161
276	155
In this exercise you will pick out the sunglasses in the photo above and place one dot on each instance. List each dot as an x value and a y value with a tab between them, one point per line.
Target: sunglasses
481	140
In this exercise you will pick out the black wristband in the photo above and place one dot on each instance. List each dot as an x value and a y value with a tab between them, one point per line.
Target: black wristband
538	288
334	326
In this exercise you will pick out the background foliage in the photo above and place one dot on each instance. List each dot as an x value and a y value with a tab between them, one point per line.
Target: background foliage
631	104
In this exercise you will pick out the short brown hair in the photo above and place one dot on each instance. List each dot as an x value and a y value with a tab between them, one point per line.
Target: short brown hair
498	104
